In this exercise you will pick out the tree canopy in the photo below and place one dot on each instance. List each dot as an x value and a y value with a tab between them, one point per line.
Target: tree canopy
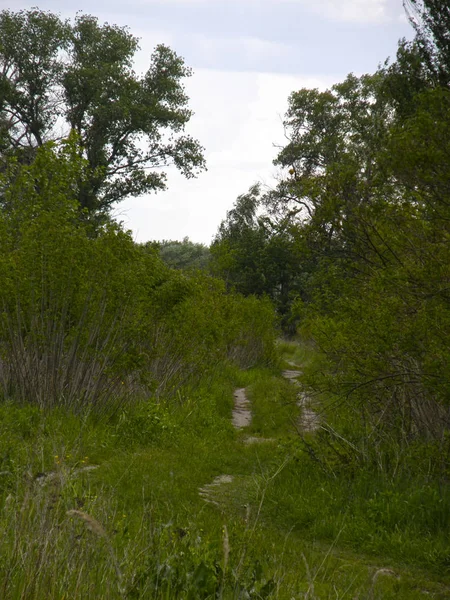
431	21
185	255
57	76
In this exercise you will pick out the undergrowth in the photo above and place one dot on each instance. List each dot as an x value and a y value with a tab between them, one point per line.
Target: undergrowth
110	507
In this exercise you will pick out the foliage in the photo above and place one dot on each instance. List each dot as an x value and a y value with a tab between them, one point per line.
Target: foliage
431	20
79	76
86	319
362	203
66	297
183	255
112	509
380	308
117	372
255	257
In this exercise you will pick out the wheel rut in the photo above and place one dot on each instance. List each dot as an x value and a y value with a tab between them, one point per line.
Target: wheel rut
214	492
309	420
241	418
242	414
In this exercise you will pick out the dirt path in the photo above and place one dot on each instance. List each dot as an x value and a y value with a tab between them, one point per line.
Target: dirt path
309	420
242	418
291	374
242	414
210	492
63	474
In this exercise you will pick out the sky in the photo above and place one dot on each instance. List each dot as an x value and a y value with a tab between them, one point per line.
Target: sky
247	56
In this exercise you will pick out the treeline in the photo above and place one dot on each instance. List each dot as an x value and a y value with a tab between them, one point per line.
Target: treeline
353	244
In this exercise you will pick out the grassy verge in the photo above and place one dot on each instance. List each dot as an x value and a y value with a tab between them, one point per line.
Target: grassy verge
133	525
389	505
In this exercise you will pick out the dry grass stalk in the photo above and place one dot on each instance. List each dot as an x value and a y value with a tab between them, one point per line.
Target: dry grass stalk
226	548
226	555
94	526
91	523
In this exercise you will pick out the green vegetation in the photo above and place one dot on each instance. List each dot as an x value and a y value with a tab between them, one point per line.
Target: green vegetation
96	320
183	255
136	527
81	74
121	475
363	201
254	257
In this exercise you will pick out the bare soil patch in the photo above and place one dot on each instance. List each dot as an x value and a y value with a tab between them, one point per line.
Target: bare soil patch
309	420
242	414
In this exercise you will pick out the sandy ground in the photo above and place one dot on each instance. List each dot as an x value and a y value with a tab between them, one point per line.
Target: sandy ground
242	415
309	419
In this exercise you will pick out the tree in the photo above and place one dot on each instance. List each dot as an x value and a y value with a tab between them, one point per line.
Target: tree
368	190
238	250
257	257
423	63
334	176
184	255
431	20
57	76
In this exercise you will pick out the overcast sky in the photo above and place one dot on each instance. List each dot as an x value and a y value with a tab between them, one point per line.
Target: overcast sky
247	56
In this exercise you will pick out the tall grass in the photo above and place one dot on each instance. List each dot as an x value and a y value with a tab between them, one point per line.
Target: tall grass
137	527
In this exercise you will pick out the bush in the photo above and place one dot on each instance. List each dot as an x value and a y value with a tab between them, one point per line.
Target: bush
90	319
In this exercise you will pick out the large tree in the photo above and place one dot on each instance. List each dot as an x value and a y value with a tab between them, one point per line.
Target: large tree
57	76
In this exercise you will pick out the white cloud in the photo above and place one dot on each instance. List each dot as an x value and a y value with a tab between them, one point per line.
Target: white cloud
238	108
354	11
238	119
243	52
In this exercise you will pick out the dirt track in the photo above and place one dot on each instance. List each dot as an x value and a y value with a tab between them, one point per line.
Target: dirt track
242	418
242	414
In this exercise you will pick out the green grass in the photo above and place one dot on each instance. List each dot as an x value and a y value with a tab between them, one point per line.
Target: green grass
283	528
295	353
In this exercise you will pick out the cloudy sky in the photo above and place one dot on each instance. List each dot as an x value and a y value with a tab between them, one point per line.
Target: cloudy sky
247	56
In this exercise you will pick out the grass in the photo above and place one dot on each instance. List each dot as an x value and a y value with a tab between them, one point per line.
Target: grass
295	352
136	526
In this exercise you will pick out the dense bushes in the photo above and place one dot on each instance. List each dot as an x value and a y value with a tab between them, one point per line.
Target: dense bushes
87	315
380	313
